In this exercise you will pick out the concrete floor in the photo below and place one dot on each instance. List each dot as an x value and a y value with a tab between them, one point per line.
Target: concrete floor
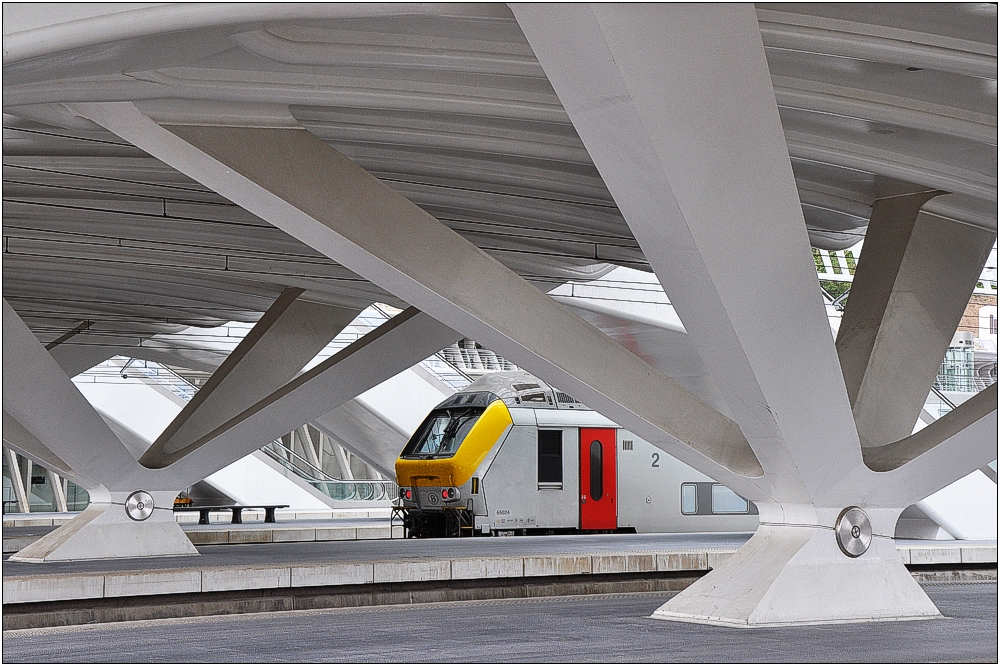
612	628
326	551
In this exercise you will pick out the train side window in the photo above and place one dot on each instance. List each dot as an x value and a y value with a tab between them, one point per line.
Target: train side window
596	470
550	463
689	499
725	500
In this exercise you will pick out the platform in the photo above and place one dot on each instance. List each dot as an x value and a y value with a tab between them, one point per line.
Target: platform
20	530
281	576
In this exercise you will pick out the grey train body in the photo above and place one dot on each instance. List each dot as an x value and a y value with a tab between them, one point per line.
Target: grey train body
530	481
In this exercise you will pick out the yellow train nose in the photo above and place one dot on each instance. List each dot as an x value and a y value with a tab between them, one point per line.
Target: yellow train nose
492	424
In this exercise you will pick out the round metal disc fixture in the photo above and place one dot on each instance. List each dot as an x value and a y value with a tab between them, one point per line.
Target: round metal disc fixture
854	531
139	505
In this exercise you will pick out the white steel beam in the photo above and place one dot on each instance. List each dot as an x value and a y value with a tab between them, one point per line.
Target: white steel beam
58	495
308	447
301	185
16	481
675	106
913	281
21	440
396	345
283	340
342	460
44	401
961	441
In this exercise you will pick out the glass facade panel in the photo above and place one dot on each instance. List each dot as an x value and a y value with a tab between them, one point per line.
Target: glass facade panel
957	370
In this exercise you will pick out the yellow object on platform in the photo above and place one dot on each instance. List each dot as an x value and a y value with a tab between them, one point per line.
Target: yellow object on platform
458	469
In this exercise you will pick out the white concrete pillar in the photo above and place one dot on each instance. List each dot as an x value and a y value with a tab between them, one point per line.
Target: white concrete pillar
46	411
343	463
17	481
58	494
674	103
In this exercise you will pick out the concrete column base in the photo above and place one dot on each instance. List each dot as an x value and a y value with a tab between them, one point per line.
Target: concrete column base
104	530
787	575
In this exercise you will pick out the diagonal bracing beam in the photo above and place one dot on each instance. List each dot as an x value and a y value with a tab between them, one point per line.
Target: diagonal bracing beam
301	185
957	444
18	438
914	278
16	481
401	342
288	336
44	402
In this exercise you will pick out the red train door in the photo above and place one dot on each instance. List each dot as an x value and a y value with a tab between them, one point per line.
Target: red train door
598	479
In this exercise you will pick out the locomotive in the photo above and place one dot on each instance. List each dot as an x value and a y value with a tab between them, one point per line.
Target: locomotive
512	455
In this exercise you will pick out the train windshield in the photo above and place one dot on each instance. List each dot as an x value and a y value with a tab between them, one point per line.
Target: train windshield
442	432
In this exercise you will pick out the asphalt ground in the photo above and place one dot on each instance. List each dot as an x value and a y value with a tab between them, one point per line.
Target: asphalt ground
600	628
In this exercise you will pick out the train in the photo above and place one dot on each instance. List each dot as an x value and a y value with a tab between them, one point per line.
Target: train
511	455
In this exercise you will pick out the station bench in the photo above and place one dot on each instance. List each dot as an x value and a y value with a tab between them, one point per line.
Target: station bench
237	510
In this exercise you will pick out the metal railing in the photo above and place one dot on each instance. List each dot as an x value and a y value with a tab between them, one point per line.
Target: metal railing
360	490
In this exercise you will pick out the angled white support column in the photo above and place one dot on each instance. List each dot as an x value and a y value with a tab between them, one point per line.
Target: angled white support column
17	437
365	434
961	441
675	106
42	401
674	103
913	280
57	491
342	462
288	336
16	481
403	341
302	433
370	437
298	183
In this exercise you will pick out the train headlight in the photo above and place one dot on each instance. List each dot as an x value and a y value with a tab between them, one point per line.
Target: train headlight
450	494
405	493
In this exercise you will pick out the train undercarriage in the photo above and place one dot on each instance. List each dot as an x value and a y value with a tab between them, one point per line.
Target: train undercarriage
448	522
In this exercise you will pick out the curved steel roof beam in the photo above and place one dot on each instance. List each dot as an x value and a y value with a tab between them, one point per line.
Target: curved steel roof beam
35	32
901	112
895	165
857	40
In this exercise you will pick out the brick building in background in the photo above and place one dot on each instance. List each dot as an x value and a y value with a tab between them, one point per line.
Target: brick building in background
980	316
